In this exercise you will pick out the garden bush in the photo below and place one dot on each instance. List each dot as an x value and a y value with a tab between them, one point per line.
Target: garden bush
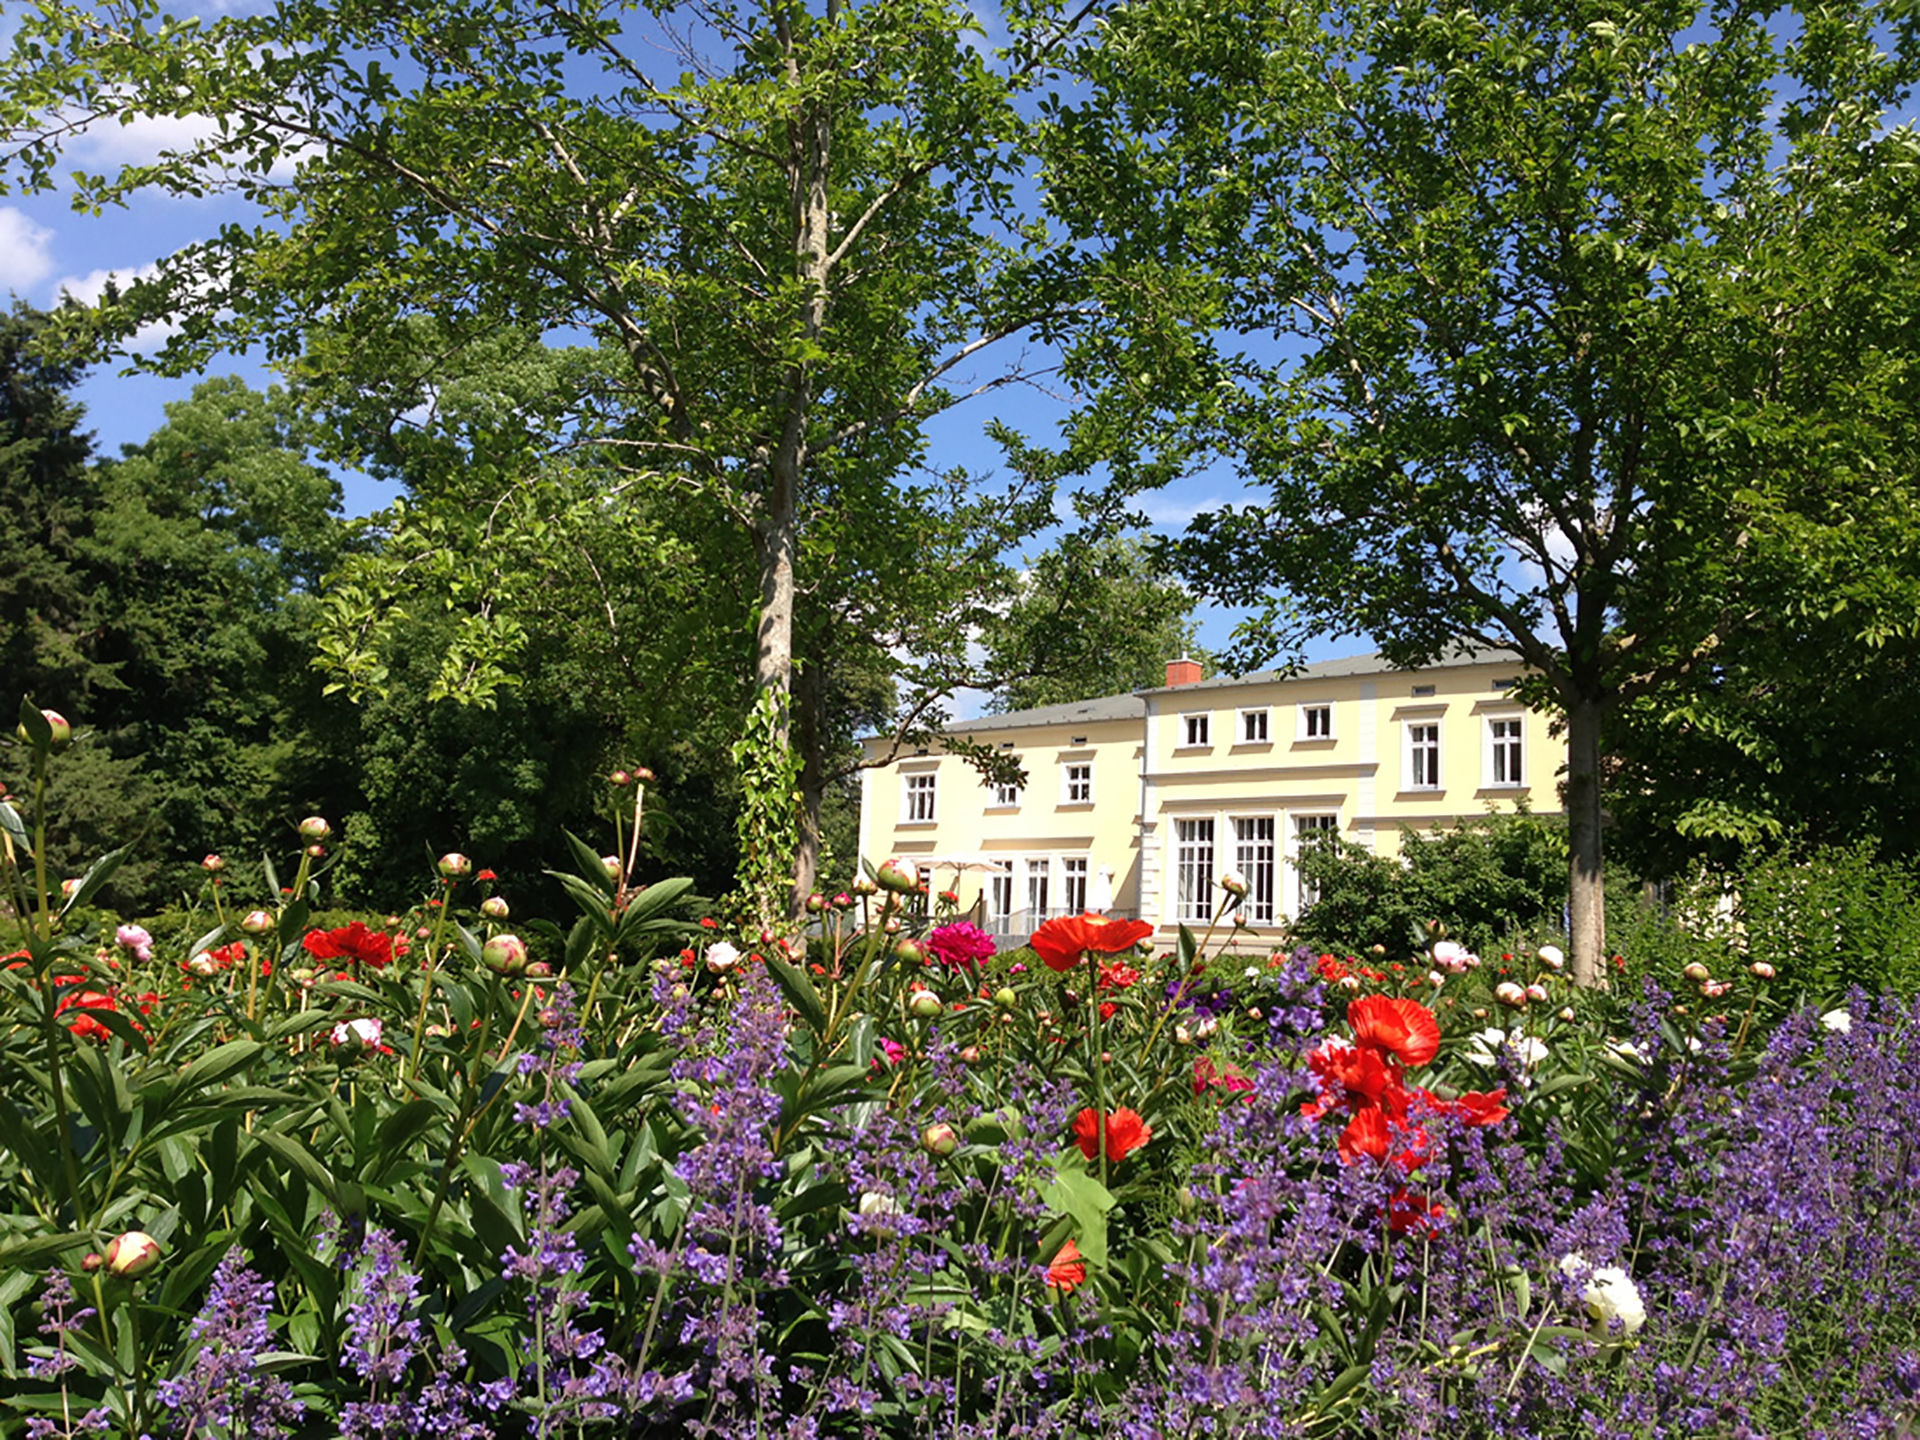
668	1179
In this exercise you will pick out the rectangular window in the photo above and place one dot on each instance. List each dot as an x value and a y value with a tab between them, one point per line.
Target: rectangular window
1309	830
1073	885
1194	729
1423	756
1193	865
1253	727
919	805
1006	793
1079	783
1503	752
1037	872
1253	858
999	894
1316	722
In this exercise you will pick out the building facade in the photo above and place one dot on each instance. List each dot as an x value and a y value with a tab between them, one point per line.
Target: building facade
1137	804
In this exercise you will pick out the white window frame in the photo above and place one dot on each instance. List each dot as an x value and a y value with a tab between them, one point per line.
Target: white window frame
1257	717
1412	744
1304	725
1075	872
1256	858
915	786
1006	796
1000	893
1068	783
1038	875
1194	838
1196	730
1515	748
1325	823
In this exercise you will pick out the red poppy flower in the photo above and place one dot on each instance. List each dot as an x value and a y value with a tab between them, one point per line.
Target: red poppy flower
353	942
1118	975
80	1004
1068	1269
1404	1029
1125	1133
1480	1108
485	875
1063	940
1362	1074
1407	1211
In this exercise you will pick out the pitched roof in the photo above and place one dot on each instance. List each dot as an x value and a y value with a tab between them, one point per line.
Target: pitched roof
1133	707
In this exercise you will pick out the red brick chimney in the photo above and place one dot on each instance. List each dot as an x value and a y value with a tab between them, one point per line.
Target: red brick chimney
1183	672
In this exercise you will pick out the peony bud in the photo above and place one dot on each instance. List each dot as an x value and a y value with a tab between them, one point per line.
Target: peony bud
132	1254
92	1261
538	970
909	951
1235	884
843	901
1566	1013
505	955
257	922
1697	972
891	926
863	886
354	1036
939	1140
620	779
201	966
925	1004
816	904
1508	993
611	864
213	864
453	865
494	908
70	888
899	877
722	957
970	1055
316	851
1762	970
1005	998
56	722
1536	992
1551	956
642	775
314	828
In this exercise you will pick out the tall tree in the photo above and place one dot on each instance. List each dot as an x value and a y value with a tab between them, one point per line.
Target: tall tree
795	238
1498	307
1091	618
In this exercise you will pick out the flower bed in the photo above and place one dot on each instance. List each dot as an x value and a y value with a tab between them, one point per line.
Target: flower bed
643	1175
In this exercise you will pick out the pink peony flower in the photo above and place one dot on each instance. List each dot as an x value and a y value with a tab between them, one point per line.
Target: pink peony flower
961	945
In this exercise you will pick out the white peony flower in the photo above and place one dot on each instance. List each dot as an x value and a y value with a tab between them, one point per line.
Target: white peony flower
876	1203
1453	957
1552	956
1610	1295
1838	1021
722	957
1627	1050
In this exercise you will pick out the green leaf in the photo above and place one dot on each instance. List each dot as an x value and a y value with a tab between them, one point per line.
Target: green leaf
97	875
15	829
1075	1191
798	988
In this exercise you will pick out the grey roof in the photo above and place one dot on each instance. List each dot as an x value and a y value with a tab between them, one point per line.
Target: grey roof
1372	663
1133	707
1107	707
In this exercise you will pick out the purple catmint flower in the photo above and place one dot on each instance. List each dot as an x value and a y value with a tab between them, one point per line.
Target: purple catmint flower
223	1389
61	1317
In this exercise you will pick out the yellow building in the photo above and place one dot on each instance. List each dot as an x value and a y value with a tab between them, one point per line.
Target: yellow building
1137	804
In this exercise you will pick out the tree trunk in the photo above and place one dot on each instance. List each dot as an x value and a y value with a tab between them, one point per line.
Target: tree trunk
1585	894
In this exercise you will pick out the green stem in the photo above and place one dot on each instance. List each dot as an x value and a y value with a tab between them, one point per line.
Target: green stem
1099	1060
426	982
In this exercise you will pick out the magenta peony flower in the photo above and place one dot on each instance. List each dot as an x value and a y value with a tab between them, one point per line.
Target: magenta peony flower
960	946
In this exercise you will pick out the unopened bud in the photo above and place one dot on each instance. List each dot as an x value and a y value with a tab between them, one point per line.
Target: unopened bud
56	722
620	779
1508	993
454	866
909	951
256	922
611	864
314	828
643	775
1697	972
816	904
92	1261
132	1254
538	970
505	955
1005	997
1536	992
925	1004
1762	970
900	877
970	1055
494	908
939	1140
213	864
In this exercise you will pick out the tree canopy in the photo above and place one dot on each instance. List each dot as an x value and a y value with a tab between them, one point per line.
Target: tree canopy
1519	319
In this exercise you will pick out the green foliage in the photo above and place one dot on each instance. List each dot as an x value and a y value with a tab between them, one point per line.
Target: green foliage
1090	618
1828	918
1493	882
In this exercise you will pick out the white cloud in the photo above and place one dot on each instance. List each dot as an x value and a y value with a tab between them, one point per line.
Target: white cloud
1173	511
88	289
26	254
143	138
